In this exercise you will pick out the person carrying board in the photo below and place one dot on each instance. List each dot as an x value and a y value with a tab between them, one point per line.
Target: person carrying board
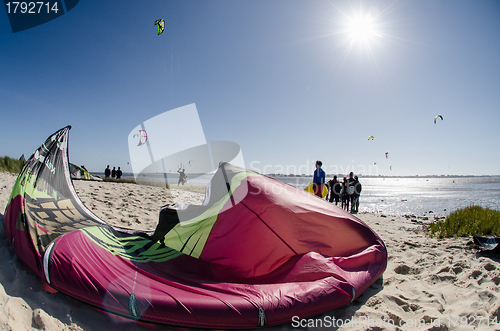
318	179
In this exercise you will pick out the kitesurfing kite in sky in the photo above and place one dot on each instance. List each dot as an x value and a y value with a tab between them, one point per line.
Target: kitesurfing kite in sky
437	116
143	137
370	137
386	155
160	24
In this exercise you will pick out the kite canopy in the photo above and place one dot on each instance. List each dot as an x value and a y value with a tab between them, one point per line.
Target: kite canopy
437	116
160	25
78	172
257	252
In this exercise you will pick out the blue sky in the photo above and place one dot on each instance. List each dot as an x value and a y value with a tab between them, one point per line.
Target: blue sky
285	79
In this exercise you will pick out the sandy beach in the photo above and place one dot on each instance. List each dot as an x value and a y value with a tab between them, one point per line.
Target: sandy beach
429	284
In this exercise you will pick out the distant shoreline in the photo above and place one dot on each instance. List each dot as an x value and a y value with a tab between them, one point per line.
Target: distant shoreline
129	174
387	176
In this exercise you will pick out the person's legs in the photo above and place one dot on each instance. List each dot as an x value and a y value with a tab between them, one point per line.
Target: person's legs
318	190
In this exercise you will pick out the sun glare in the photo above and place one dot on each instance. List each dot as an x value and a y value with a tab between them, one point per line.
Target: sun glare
361	28
362	32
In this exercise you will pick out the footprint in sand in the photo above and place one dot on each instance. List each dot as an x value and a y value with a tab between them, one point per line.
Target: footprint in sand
489	266
458	267
397	319
374	302
403	269
445	269
435	279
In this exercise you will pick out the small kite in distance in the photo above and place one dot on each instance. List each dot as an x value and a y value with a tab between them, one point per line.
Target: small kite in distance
437	116
160	24
386	155
143	137
370	137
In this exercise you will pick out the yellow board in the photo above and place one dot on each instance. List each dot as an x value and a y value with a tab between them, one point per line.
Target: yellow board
309	189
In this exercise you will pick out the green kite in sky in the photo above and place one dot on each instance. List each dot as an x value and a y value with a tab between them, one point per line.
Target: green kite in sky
160	24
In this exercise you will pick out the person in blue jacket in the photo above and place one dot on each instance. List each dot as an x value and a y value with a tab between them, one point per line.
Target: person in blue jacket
318	179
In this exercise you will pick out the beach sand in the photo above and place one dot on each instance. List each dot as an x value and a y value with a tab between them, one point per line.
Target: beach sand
429	284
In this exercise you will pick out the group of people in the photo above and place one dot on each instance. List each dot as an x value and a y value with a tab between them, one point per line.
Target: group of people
347	192
113	173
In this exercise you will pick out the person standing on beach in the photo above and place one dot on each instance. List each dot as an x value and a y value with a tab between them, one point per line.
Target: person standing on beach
334	190
182	176
113	172
328	195
107	172
350	190
356	194
318	179
119	173
345	196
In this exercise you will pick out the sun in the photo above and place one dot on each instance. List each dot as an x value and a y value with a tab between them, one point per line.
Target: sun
361	28
363	33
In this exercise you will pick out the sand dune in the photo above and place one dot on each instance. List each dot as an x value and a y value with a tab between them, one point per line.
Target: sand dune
429	284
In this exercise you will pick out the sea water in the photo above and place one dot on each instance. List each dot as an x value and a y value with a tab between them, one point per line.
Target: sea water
420	196
401	195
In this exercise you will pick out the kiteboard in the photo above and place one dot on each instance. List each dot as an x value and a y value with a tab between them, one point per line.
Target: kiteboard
310	189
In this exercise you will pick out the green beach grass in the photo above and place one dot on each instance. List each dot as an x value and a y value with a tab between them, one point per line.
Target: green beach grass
469	221
13	166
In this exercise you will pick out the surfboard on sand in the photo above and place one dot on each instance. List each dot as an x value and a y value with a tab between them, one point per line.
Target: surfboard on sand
310	189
